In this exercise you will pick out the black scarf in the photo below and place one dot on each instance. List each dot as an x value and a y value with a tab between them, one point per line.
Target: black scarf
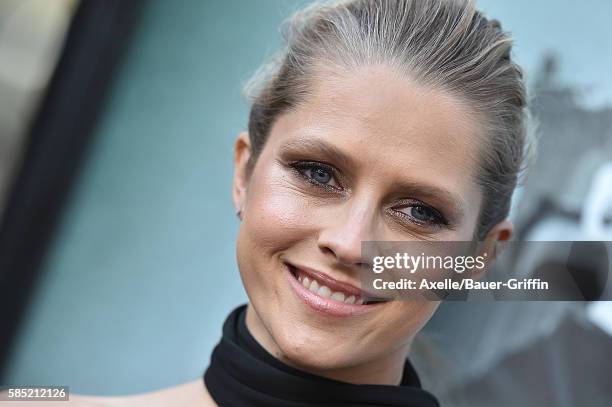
243	374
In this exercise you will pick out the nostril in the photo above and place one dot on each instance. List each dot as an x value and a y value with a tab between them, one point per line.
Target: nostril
328	251
345	252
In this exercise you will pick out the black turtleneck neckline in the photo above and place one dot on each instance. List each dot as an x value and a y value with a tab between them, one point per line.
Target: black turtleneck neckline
242	373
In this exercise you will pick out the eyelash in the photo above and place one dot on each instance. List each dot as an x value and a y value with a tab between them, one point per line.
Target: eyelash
438	218
300	168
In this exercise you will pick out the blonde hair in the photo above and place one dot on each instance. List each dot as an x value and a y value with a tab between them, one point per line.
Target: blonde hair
442	43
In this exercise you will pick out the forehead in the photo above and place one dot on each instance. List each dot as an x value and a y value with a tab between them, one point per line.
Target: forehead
396	128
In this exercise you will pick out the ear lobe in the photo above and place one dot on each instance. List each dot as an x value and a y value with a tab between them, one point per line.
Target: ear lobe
242	153
493	244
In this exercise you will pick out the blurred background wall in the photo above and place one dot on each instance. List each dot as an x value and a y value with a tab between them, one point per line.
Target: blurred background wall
142	272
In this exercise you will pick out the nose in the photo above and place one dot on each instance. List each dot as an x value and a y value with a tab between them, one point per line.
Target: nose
341	237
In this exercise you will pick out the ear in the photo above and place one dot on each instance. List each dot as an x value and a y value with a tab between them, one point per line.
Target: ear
492	245
242	153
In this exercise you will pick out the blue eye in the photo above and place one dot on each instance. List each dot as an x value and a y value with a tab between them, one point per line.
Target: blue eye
317	173
320	175
422	214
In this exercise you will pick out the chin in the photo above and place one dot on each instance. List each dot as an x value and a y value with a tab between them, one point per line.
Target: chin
308	350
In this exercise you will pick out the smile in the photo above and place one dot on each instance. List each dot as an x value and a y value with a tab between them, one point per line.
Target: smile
319	288
325	294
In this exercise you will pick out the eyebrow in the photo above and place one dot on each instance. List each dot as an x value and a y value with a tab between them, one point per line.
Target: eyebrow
322	148
452	202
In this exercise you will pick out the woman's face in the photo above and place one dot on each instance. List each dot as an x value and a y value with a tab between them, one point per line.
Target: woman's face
369	155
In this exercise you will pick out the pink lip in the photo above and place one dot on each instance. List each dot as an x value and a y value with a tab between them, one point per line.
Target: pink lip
326	305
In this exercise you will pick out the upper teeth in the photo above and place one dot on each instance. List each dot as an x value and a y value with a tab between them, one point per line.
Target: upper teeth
326	292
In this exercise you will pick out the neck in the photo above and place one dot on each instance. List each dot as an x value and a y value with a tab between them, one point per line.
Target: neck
387	370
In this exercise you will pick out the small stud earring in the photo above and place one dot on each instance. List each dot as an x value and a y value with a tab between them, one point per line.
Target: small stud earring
239	214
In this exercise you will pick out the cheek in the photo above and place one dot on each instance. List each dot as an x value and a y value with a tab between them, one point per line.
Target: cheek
277	215
409	318
464	232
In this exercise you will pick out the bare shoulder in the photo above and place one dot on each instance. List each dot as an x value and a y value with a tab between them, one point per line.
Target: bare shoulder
193	393
189	394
